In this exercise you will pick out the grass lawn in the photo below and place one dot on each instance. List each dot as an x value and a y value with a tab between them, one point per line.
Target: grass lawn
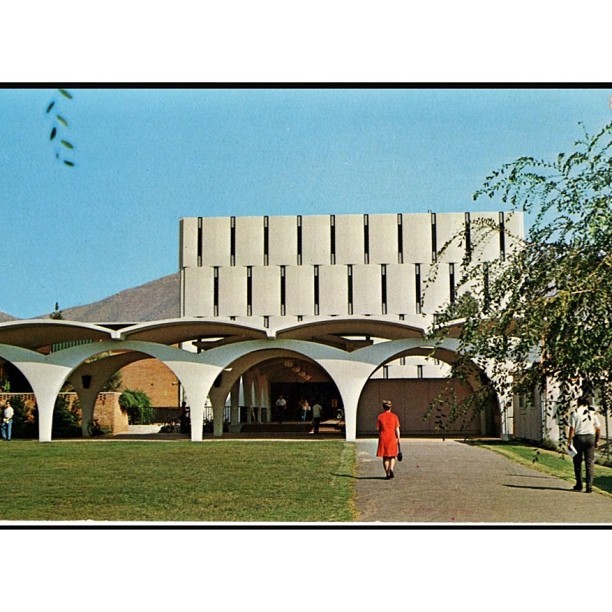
224	480
550	462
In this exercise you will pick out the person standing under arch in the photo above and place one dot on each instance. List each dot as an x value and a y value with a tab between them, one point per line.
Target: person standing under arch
388	426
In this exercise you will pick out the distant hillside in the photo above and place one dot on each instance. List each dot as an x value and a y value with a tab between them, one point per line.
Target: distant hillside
159	299
6	317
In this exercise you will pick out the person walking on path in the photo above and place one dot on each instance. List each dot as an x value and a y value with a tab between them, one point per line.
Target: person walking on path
584	432
388	426
7	421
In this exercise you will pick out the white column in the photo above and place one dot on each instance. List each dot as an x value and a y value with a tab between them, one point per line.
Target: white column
350	377
46	381
257	397
235	403
247	389
218	406
263	398
197	380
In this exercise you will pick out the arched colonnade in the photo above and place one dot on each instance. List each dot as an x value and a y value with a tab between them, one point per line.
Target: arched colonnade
234	350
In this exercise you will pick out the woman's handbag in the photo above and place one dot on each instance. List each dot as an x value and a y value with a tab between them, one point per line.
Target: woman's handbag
400	455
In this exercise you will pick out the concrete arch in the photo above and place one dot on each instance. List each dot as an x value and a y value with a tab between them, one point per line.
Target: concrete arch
445	351
227	379
348	371
239	346
47	373
89	378
193	370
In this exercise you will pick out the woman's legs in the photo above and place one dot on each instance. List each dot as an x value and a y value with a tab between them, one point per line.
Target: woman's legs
389	464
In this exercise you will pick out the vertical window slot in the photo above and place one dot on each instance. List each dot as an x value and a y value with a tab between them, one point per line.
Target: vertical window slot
468	234
283	290
216	292
299	240
400	239
452	283
502	235
350	289
366	239
266	240
434	238
417	287
383	287
316	290
232	241
332	238
249	290
200	241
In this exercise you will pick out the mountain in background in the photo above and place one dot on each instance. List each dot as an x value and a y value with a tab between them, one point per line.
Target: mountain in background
159	299
6	317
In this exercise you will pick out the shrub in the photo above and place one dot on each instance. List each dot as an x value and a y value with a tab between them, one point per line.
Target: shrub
138	406
24	424
66	420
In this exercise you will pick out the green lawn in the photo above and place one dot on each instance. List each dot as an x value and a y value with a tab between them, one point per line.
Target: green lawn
224	480
551	462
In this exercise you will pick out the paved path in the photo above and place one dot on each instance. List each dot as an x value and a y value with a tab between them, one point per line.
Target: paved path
451	482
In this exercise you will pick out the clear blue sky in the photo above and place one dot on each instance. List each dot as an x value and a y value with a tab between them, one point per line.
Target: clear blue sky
147	157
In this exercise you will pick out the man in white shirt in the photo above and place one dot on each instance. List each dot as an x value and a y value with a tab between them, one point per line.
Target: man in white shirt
316	417
281	408
584	432
7	421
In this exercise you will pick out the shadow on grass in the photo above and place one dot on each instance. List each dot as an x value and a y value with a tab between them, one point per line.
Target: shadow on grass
602	482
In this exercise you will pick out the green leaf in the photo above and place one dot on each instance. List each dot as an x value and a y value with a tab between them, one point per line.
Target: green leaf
69	163
65	93
50	107
62	120
53	134
67	144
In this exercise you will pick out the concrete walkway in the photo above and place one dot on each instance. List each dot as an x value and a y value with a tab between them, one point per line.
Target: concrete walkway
449	482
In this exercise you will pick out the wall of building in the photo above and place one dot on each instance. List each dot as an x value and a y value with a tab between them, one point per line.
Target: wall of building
411	399
269	271
155	379
107	410
303	266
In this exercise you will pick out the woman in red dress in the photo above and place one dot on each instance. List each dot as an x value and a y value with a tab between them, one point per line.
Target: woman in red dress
388	426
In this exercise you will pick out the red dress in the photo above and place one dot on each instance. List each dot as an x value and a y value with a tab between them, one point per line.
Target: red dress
387	440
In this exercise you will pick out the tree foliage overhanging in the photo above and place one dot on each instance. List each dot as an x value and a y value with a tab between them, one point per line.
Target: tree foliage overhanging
545	308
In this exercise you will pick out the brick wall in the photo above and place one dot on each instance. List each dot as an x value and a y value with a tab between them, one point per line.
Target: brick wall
107	409
155	379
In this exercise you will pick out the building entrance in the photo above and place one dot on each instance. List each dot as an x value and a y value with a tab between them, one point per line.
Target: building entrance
325	393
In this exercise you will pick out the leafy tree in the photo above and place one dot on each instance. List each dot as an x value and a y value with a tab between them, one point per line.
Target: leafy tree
24	424
138	406
57	313
66	420
59	127
543	313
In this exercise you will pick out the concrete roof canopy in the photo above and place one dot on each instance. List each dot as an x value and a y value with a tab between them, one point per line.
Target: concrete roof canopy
36	334
175	331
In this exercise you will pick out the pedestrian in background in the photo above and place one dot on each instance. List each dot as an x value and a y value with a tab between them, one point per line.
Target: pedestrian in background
388	426
584	433
7	421
316	417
